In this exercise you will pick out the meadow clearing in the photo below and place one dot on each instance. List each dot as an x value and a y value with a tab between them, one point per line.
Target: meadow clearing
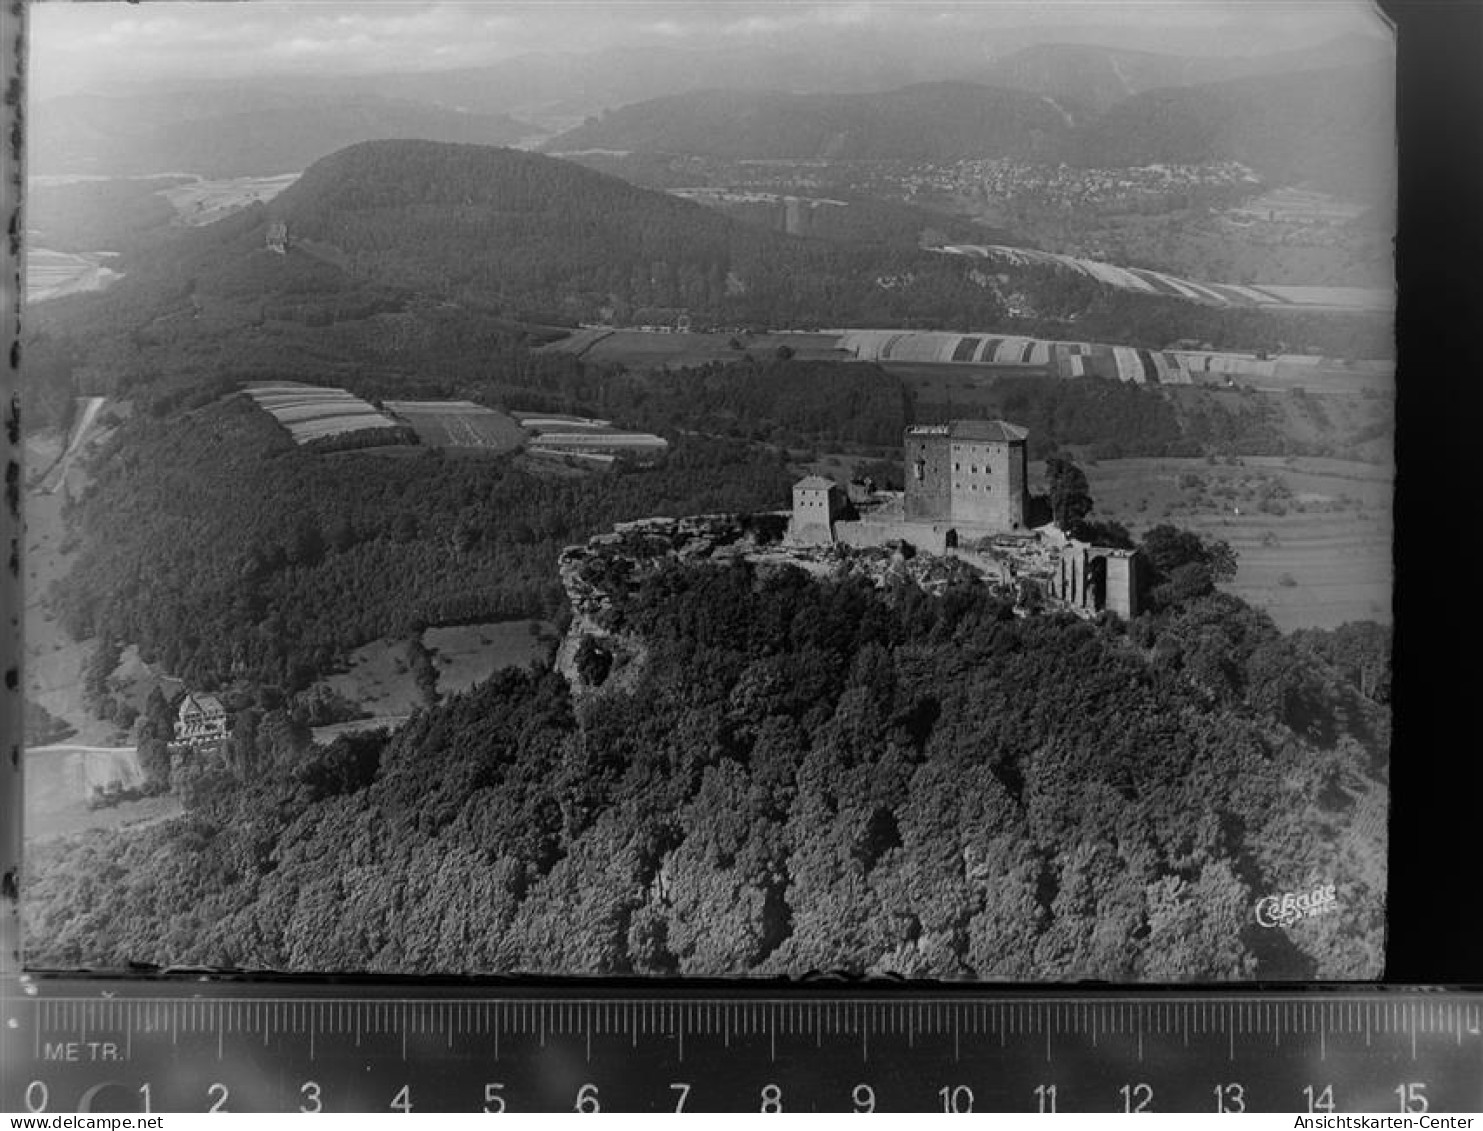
1313	536
459	424
379	680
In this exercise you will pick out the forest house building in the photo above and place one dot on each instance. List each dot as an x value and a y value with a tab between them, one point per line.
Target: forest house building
200	719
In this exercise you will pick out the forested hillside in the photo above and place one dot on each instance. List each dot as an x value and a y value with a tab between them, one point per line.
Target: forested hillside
924	122
389	239
1096	77
227	553
1331	128
234	133
803	776
540	234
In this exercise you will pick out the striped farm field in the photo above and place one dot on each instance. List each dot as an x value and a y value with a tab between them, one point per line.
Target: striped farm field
1067	359
1263	295
598	441
309	412
459	424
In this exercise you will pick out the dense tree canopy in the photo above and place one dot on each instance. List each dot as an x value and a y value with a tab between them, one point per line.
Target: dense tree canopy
225	552
793	775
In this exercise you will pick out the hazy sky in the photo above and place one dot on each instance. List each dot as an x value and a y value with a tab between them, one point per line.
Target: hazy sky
101	44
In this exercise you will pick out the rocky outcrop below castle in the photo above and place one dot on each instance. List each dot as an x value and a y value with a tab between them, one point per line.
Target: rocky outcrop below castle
599	572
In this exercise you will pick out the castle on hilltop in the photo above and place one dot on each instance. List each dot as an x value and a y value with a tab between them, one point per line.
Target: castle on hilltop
970	473
967	495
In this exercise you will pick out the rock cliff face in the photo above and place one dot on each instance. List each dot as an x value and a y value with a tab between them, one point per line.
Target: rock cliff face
594	574
597	573
1027	569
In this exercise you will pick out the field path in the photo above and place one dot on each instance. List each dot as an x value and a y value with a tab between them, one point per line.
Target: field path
57	473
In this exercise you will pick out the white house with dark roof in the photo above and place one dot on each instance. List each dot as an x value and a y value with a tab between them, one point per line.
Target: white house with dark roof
200	719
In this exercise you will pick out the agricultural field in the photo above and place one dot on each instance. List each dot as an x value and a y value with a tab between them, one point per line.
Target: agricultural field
1261	295
642	349
205	202
996	354
309	412
59	783
556	434
459	424
1290	205
1313	536
52	274
916	354
1069	359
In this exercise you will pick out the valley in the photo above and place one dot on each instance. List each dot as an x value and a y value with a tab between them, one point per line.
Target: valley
673	544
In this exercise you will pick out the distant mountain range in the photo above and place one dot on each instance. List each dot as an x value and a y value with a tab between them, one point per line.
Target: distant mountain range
1090	79
281	123
232	132
930	121
1331	127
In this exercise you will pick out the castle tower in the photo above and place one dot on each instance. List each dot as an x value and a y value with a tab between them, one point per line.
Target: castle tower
817	502
970	472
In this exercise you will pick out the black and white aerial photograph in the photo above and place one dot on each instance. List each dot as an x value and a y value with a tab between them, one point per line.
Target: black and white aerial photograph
755	490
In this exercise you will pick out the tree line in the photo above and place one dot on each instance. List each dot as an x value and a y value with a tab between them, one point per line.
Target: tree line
795	775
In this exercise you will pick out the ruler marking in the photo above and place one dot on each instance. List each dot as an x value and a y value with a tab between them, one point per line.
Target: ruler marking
403	1027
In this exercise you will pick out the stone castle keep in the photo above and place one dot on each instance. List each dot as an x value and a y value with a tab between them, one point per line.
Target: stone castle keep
967	495
970	473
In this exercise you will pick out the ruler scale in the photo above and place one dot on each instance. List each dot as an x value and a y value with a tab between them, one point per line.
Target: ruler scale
91	1045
